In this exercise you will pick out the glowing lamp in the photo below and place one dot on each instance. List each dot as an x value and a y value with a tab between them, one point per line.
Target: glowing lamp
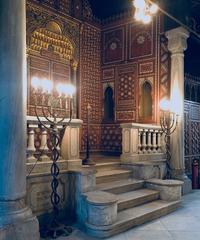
59	89
65	89
146	18
140	4
164	105
36	83
138	15
153	8
68	90
47	85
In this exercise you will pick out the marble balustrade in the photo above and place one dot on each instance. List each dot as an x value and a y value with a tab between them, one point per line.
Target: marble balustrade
39	146
142	142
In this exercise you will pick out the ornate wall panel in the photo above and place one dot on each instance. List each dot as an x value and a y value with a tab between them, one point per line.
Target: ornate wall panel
95	137
164	68
63	6
108	74
52	47
90	88
146	67
141	40
126	87
39	18
192	134
113	45
111	139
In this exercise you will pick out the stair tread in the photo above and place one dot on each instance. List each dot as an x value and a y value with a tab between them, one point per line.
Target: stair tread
135	194
141	210
106	163
112	172
137	212
121	183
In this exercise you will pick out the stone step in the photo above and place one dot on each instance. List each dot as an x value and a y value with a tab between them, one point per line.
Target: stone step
107	166
112	175
133	217
121	186
136	198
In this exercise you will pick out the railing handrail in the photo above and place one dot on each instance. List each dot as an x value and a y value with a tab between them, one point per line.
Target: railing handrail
34	121
140	126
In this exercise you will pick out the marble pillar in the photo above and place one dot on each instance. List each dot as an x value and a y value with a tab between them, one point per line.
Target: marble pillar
16	219
177	44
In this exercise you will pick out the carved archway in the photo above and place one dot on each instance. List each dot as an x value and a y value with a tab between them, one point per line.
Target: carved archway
109	114
146	101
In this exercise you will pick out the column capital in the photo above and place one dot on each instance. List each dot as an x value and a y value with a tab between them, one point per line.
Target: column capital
177	40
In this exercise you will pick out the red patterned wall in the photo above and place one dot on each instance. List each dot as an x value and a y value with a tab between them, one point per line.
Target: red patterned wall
90	87
131	56
192	134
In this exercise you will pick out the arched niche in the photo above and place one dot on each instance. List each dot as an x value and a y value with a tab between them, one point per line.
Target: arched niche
109	113
146	101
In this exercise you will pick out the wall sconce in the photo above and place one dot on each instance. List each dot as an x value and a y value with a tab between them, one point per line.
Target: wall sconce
48	100
168	122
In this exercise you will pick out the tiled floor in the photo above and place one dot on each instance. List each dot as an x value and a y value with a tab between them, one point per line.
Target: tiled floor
184	224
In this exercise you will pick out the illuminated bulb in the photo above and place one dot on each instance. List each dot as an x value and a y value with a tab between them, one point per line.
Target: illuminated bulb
139	4
47	85
65	89
59	88
164	105
69	90
139	15
153	8
146	18
36	82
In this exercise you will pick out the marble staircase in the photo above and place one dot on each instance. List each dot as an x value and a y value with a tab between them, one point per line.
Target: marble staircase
120	202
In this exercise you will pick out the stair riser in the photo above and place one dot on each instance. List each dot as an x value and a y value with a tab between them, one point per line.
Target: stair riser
115	177
132	223
136	202
127	188
107	167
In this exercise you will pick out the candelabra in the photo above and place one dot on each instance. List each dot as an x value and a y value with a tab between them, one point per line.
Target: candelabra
168	122
50	102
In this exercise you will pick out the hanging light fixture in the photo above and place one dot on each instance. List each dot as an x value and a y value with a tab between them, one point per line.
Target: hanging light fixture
144	9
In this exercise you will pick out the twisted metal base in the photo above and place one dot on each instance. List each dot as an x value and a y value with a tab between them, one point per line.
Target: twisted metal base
55	230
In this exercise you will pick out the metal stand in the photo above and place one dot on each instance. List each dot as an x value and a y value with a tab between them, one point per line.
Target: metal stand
168	122
55	228
87	160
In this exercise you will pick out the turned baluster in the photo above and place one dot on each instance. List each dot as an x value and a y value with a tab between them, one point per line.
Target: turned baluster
154	145
31	144
149	144
43	146
159	141
144	145
139	141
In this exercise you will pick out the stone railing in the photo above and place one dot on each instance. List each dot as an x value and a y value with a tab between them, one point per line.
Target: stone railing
142	142
39	144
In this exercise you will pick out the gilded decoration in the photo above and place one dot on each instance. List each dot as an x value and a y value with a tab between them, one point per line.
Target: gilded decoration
43	39
42	23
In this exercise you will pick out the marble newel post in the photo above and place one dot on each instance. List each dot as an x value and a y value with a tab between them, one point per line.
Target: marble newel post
16	220
177	44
